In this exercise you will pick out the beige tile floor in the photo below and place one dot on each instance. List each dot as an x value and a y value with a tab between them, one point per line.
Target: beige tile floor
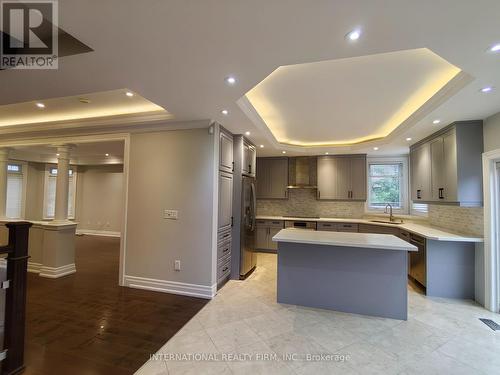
244	321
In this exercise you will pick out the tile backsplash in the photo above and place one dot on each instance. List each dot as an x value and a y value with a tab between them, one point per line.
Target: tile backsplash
303	202
467	220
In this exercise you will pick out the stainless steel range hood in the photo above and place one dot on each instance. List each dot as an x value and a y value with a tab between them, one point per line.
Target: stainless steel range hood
302	173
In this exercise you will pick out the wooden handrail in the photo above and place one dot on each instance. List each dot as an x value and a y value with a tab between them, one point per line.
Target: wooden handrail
15	300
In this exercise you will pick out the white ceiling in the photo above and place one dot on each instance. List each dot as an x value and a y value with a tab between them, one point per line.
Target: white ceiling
348	101
176	53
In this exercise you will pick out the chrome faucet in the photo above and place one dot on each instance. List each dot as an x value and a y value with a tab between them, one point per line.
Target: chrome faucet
391	218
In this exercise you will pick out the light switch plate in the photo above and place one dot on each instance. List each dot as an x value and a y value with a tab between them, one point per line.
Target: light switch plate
171	214
177	265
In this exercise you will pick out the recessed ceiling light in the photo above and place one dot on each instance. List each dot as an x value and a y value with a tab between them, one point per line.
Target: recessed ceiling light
247	133
353	35
40	105
129	94
408	139
487	89
326	153
495	48
106	154
283	152
57	154
437	121
375	148
230	80
261	146
225	112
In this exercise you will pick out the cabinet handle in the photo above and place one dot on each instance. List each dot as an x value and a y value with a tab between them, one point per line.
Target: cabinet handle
232	221
319	194
419	194
249	168
225	269
232	168
441	191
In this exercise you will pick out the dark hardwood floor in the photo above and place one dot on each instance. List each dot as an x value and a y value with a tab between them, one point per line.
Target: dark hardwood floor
86	324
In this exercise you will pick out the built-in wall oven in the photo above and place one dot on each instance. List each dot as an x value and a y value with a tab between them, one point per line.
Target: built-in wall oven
299	224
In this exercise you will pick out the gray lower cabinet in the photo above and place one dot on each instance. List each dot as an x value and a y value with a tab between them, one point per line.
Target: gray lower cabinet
223	256
272	178
337	227
264	232
342	177
225	217
327	227
447	168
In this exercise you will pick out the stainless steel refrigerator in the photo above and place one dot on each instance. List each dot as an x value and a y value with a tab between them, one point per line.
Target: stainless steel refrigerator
248	257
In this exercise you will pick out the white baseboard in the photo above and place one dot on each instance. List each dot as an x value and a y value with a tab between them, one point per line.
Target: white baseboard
174	287
55	272
34	267
92	232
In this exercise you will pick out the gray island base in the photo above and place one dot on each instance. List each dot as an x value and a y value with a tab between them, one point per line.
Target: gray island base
350	272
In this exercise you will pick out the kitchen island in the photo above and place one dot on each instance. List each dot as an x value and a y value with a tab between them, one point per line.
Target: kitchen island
360	273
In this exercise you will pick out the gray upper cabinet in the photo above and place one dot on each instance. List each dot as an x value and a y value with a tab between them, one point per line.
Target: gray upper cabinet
225	216
249	159
342	177
226	163
446	167
420	166
272	178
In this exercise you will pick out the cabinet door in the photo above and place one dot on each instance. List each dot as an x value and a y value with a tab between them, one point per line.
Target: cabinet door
263	178
271	244
261	235
437	161
226	152
278	178
252	160
358	178
421	173
450	177
327	188
245	160
225	200
343	178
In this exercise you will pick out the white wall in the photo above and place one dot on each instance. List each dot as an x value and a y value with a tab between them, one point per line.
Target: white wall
170	170
99	198
491	133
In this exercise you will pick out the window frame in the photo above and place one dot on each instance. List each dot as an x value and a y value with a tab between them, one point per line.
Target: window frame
48	174
24	173
404	210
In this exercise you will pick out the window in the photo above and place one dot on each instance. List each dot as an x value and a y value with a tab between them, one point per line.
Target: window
15	191
50	193
387	184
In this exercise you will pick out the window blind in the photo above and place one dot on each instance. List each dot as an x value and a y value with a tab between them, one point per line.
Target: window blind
14	195
50	196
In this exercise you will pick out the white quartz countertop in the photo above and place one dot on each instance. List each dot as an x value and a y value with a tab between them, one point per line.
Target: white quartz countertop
344	239
431	233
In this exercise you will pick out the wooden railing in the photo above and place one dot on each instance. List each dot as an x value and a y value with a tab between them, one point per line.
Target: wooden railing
15	298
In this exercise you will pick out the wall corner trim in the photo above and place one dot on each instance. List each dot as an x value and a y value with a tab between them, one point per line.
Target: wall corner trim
56	272
34	267
173	287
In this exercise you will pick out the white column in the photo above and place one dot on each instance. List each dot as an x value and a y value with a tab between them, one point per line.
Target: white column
62	184
4	158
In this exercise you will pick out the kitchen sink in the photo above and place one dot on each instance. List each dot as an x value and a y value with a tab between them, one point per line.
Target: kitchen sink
387	222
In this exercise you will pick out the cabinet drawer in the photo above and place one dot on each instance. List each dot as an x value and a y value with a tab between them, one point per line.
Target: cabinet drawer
332	227
270	223
223	249
405	235
224	235
381	229
347	227
224	267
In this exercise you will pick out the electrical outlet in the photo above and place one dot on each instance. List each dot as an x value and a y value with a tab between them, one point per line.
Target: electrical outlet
171	214
177	265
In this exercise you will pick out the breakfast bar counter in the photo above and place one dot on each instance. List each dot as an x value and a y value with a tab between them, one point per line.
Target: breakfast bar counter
360	273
